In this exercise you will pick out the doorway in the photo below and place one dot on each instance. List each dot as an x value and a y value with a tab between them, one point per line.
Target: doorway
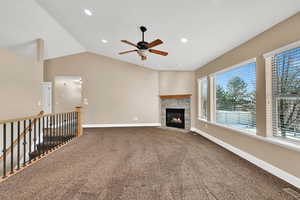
47	97
67	93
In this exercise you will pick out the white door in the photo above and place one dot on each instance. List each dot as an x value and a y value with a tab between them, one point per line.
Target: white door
47	97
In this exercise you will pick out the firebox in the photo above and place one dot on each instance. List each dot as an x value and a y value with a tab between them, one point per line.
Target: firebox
175	118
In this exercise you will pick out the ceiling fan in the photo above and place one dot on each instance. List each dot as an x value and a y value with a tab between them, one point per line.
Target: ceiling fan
143	47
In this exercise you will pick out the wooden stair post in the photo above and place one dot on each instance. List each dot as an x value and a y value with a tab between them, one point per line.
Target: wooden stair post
79	123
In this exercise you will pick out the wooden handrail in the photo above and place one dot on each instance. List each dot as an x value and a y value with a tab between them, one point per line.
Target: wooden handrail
31	117
35	118
15	142
63	128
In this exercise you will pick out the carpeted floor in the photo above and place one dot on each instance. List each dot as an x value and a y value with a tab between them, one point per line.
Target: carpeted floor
143	164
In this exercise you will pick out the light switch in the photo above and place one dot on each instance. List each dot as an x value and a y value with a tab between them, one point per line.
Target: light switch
85	101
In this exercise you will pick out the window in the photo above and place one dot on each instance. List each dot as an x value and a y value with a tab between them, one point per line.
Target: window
235	97
285	103
203	100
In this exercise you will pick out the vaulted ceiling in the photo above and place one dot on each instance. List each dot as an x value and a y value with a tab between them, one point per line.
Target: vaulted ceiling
22	22
212	27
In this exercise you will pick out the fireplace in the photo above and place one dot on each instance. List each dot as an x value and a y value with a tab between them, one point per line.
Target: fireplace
175	111
175	118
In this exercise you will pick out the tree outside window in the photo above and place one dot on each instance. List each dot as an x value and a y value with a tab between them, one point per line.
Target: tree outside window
236	97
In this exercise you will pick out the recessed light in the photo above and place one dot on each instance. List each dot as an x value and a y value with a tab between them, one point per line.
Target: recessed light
104	41
88	12
184	40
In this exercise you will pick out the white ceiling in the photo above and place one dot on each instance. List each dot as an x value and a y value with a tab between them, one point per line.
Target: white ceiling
23	21
212	27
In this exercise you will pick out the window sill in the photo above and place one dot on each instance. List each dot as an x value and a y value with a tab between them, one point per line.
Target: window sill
282	142
245	132
203	120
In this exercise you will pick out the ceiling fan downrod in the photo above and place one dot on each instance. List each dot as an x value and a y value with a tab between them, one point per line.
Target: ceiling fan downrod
143	29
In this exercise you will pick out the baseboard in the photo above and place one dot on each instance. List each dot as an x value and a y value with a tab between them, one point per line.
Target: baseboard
256	161
121	125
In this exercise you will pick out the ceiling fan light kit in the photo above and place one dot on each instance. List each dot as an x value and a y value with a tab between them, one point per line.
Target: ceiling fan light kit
144	47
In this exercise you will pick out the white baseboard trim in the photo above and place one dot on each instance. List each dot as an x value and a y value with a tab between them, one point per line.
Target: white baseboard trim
256	161
121	125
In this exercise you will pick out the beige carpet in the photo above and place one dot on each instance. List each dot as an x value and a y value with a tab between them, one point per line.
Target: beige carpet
143	164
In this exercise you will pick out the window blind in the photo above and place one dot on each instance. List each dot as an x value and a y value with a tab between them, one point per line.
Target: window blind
235	93
286	94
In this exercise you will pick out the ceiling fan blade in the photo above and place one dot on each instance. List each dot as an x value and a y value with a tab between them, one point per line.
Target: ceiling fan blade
124	52
130	43
155	43
163	53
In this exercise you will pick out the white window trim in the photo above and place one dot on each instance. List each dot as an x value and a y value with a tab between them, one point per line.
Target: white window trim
269	109
252	60
213	98
199	97
282	49
268	77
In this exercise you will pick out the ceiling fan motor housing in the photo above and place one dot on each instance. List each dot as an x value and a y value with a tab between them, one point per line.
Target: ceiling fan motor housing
142	45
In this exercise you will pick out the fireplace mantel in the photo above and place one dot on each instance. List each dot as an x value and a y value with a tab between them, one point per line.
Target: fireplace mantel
176	96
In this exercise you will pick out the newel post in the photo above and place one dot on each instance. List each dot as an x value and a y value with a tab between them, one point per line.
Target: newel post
79	122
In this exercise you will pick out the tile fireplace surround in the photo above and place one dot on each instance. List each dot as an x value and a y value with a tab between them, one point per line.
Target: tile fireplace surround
176	101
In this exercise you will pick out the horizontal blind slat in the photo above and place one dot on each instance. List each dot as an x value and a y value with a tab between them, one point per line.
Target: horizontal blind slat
286	93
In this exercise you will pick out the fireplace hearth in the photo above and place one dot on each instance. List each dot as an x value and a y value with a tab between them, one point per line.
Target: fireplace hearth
175	118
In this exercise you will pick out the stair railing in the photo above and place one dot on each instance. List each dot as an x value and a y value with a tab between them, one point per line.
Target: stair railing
32	137
15	142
